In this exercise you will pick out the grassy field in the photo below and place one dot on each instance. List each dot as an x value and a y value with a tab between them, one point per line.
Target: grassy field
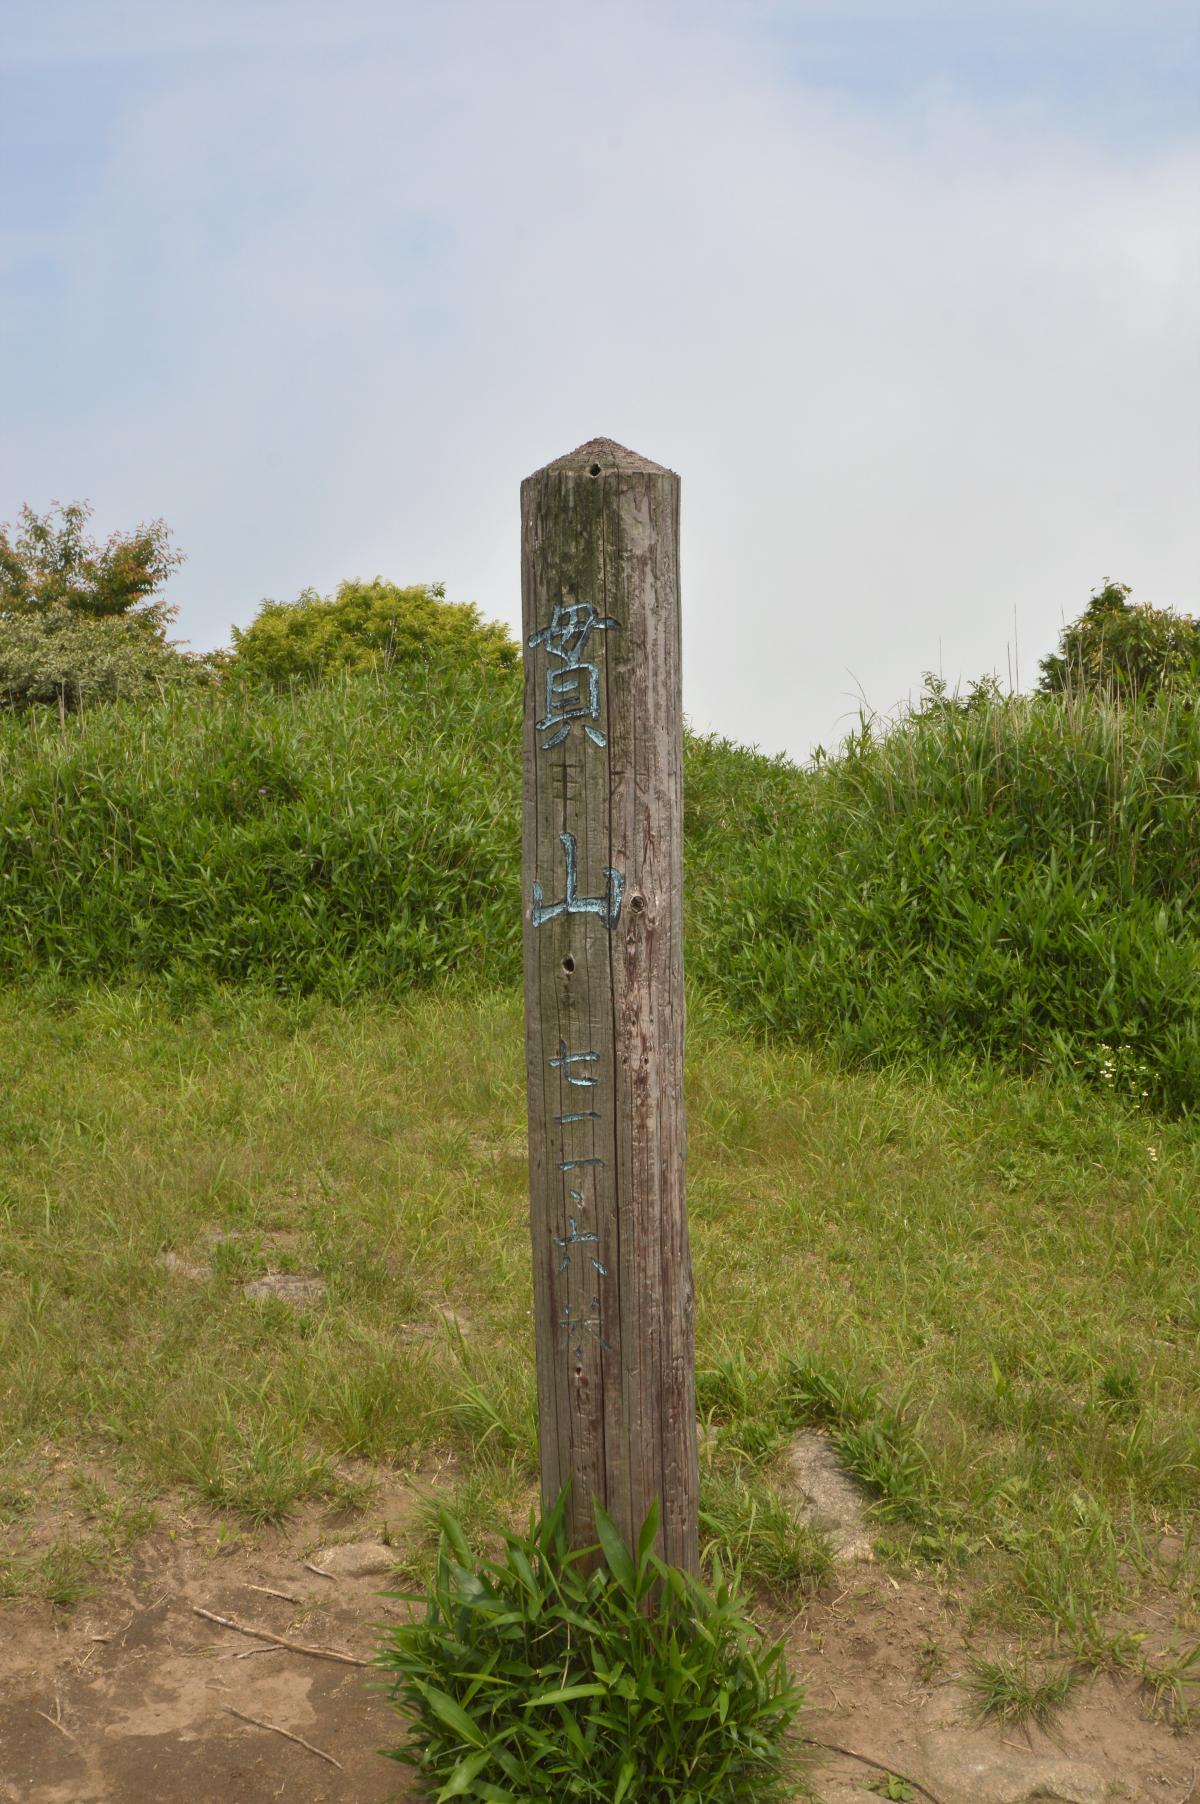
986	1290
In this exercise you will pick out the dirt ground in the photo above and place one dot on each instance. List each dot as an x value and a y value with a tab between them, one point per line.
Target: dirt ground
133	1695
865	1656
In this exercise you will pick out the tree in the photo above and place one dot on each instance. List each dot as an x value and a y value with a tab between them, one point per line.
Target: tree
80	621
52	564
1124	649
366	626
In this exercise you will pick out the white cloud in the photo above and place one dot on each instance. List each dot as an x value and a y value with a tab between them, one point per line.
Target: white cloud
337	293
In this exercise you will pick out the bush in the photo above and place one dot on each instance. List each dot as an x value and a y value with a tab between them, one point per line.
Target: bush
532	1679
1124	650
55	656
366	626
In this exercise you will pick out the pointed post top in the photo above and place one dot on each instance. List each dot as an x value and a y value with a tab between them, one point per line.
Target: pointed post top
600	455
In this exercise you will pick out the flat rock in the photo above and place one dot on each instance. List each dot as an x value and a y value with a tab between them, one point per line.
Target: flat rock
965	1767
357	1559
831	1501
290	1287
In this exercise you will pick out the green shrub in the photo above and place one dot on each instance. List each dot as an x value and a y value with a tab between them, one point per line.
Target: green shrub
57	657
366	626
82	622
1125	650
532	1679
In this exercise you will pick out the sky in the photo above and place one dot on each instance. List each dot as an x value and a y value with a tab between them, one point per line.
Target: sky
907	293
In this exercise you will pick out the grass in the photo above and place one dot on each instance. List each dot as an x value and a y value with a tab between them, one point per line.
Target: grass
615	1678
1017	885
749	1525
342	839
70	1565
64	1573
985	1290
1010	1692
1172	1683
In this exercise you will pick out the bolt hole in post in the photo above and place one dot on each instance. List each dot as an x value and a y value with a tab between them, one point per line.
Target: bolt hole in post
568	963
637	903
593	469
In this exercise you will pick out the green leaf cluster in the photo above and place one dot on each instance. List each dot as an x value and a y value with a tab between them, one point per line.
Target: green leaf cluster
602	1674
366	626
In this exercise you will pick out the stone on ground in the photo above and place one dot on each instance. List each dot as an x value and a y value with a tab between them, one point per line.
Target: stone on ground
289	1287
965	1767
832	1502
357	1559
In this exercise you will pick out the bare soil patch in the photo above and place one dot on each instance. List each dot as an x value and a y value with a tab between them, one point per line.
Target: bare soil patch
131	1695
883	1664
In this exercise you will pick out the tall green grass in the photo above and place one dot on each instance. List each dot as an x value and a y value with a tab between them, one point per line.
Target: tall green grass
1016	884
346	838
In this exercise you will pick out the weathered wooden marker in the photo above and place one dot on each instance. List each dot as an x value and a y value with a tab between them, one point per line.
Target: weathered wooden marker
604	992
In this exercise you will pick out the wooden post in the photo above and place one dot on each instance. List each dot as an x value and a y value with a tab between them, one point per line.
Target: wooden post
604	993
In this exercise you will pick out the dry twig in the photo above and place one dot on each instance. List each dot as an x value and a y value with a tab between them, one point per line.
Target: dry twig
296	1647
892	1772
267	1592
319	1570
55	1723
275	1729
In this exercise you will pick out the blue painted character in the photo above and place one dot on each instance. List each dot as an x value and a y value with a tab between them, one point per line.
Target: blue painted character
573	685
607	907
563	1063
575	1238
577	1326
566	1059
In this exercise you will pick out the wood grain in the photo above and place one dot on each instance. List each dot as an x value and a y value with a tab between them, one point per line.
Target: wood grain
604	977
